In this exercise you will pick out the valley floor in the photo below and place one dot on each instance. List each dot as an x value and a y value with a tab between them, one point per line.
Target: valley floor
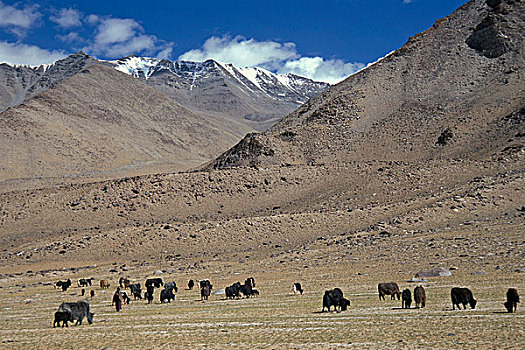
346	226
490	260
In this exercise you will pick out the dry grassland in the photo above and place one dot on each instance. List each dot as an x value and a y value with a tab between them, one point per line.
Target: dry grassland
277	319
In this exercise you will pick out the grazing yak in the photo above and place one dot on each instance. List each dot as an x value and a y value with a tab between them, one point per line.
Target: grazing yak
205	292
136	291
391	289
64	284
236	289
246	290
205	283
62	316
335	298
462	296
104	284
191	284
419	296
250	281
166	295
124	282
78	311
206	288
171	285
406	299
512	300
92	293
155	282
149	293
297	288
125	297
84	282
233	291
230	292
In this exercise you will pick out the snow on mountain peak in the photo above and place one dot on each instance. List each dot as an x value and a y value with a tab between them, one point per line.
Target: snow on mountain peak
252	81
146	66
134	66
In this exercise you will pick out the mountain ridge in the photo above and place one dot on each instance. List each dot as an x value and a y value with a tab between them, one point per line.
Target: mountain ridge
441	82
101	123
20	82
253	97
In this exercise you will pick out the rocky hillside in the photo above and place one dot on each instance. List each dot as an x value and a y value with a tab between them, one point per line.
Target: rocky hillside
251	96
18	83
83	118
456	91
102	123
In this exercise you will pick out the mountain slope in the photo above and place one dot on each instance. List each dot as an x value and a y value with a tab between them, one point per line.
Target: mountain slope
247	98
79	117
99	123
18	83
456	90
253	97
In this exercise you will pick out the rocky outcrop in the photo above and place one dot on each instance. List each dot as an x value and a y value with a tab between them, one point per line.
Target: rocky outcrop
245	153
435	272
20	82
488	38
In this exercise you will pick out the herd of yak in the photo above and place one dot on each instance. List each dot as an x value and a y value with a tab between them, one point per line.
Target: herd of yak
69	312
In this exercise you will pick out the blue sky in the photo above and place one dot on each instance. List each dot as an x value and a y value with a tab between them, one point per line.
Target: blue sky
323	39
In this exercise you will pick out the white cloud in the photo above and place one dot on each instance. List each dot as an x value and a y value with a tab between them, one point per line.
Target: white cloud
18	21
407	1
242	52
271	55
117	37
15	53
92	19
70	37
165	54
67	18
317	68
116	30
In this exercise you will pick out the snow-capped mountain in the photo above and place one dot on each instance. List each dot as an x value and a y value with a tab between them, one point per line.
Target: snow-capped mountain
252	80
252	95
250	98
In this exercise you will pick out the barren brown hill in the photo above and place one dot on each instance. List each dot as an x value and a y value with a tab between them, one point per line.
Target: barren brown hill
102	123
456	90
18	83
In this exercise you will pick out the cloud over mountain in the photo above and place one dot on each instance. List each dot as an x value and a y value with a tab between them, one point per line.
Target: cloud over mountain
317	68
243	52
17	53
271	55
116	37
